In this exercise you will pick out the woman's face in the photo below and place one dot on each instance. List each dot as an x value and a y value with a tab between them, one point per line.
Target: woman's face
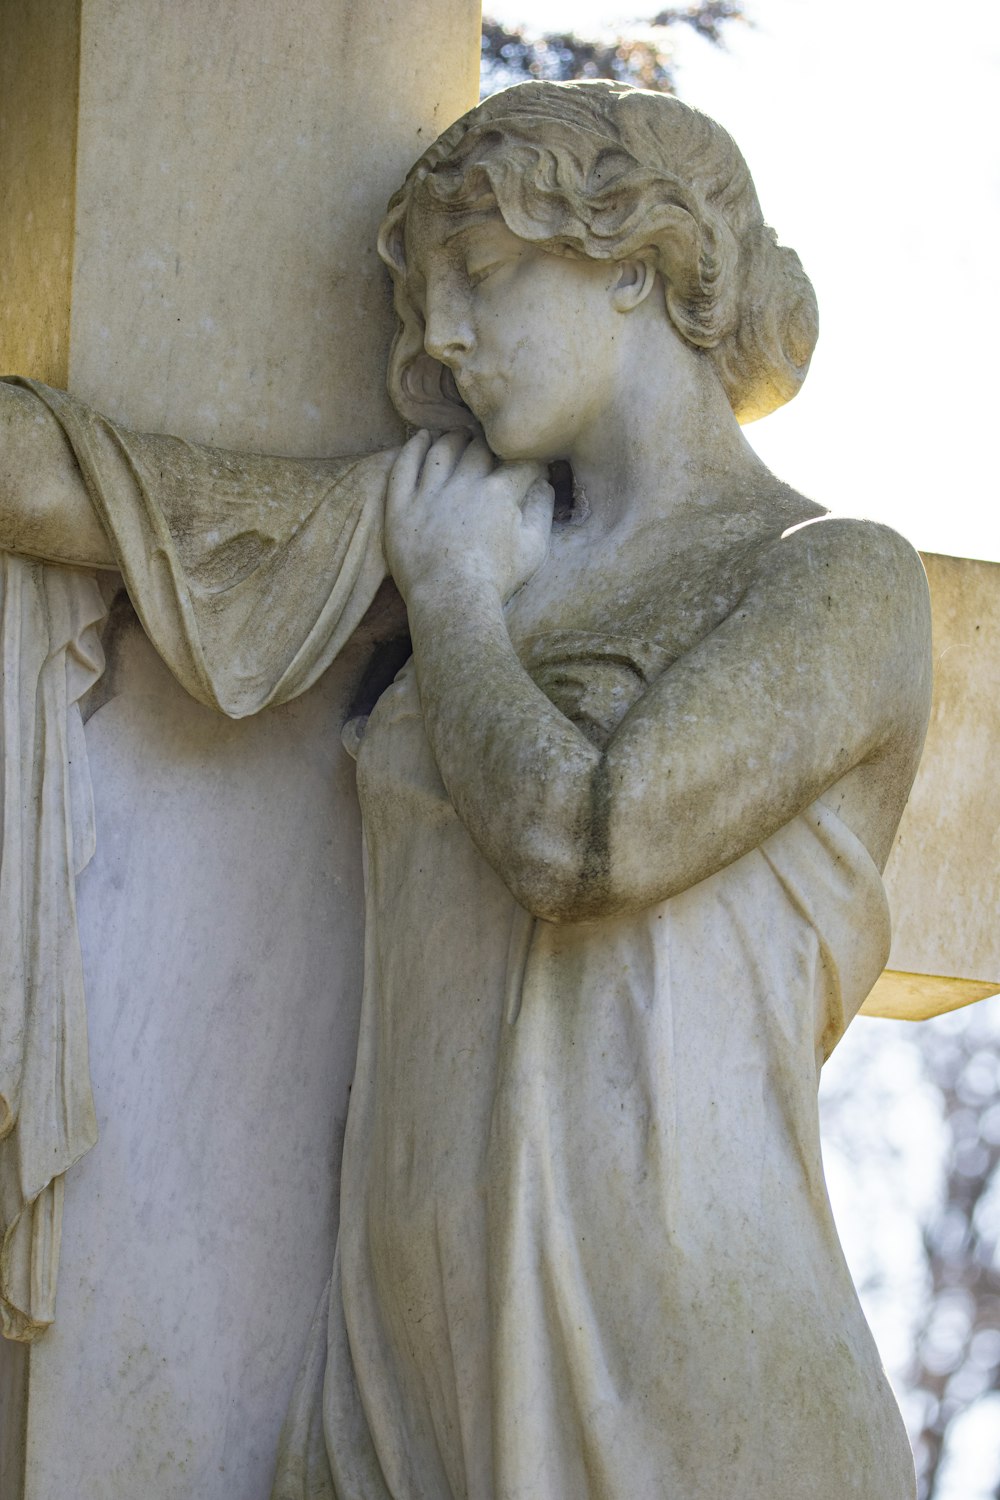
529	336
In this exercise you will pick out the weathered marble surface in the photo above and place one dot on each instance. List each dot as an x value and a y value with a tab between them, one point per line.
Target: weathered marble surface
944	875
197	1237
235	296
625	815
39	77
202	259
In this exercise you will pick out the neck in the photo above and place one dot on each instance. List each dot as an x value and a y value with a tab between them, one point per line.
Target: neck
666	443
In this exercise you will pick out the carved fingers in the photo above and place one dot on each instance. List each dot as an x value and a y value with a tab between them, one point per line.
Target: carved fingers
456	514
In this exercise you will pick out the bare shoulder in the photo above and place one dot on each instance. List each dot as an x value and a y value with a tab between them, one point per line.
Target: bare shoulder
860	589
861	559
857	580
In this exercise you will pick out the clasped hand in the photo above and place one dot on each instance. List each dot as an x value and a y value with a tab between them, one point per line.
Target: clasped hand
456	514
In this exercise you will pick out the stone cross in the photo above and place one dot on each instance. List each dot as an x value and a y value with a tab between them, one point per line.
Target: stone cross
191	195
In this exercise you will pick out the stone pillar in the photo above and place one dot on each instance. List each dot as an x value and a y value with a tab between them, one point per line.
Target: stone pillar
191	194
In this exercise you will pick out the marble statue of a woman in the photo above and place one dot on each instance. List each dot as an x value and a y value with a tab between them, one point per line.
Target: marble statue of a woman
625	813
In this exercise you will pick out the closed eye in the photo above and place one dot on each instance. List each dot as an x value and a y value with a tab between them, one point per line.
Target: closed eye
477	273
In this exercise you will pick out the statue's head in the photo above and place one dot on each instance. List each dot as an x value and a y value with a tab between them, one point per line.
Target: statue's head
603	172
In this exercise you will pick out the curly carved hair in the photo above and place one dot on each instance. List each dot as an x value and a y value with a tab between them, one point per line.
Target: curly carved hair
604	171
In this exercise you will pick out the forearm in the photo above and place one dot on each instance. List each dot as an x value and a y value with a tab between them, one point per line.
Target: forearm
45	510
524	780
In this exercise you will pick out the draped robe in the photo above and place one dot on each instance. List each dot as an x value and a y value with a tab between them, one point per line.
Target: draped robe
586	1249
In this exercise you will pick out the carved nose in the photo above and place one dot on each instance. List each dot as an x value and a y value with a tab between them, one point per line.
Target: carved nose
447	336
447	344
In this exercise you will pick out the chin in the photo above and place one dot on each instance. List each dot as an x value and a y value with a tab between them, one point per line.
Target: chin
518	446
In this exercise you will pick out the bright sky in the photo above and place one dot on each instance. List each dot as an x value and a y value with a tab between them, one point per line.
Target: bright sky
871	129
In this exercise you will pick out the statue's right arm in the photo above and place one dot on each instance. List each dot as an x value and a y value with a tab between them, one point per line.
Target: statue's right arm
45	510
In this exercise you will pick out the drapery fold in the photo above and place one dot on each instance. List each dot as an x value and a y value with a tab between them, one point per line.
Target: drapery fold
249	575
533	1102
51	655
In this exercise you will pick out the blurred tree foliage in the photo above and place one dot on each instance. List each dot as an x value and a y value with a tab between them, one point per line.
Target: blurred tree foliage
955	1366
911	1128
513	55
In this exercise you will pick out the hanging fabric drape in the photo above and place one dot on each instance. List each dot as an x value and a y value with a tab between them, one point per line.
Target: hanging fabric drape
51	655
249	574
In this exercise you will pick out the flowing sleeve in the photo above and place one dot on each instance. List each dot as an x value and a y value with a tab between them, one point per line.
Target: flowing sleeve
249	573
